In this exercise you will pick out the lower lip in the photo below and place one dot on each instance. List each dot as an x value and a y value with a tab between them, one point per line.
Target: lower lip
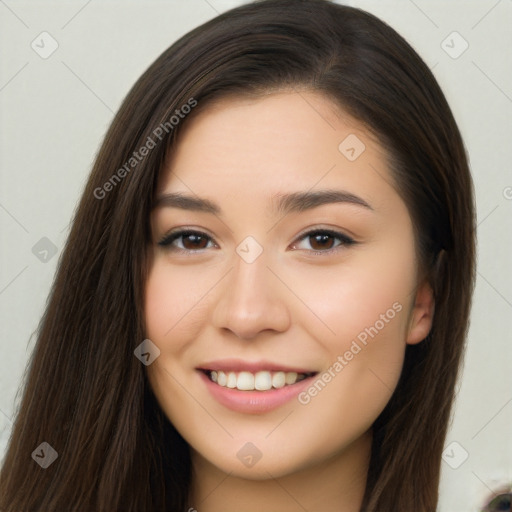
254	402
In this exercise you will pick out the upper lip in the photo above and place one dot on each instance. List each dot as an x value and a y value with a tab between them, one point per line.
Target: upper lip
238	365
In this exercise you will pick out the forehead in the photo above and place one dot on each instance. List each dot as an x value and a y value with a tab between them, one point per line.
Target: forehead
259	148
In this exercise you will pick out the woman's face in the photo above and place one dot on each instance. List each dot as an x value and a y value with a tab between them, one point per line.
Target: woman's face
299	278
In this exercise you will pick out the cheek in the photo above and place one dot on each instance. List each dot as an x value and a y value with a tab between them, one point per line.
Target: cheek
366	298
174	305
364	307
177	303
366	358
172	315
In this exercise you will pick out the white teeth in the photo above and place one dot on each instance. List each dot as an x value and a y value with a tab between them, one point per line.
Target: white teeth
231	380
245	381
222	380
291	377
278	380
261	381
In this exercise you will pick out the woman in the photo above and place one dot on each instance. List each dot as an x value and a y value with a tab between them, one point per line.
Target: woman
265	294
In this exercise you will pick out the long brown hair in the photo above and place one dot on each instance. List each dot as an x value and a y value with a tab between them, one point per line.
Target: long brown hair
85	393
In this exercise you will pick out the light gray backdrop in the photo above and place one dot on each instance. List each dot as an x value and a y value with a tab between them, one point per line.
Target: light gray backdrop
65	68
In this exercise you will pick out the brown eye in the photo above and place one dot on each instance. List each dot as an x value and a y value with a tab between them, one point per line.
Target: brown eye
186	241
322	240
194	241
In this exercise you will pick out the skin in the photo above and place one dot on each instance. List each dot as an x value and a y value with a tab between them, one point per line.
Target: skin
290	305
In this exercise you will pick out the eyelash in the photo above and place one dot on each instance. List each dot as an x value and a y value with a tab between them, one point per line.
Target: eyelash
345	241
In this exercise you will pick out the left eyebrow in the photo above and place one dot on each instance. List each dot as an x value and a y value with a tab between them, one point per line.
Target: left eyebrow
282	204
301	201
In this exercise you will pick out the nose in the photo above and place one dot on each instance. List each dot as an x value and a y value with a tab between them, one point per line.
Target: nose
252	300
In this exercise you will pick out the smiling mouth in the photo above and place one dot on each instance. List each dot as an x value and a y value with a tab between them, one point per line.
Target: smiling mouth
257	381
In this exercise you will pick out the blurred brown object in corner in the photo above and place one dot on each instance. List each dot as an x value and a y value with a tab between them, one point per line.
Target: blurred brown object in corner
500	502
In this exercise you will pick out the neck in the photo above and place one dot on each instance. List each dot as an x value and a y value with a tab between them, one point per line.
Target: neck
333	485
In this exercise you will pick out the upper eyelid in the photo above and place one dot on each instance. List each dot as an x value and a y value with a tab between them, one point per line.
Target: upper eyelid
185	229
333	231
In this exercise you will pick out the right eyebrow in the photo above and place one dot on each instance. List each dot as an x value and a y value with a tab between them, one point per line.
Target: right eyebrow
185	202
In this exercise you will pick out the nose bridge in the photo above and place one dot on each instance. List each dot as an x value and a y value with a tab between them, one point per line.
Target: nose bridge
251	301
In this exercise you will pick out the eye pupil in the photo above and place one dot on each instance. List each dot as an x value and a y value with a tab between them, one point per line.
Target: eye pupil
195	240
322	240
